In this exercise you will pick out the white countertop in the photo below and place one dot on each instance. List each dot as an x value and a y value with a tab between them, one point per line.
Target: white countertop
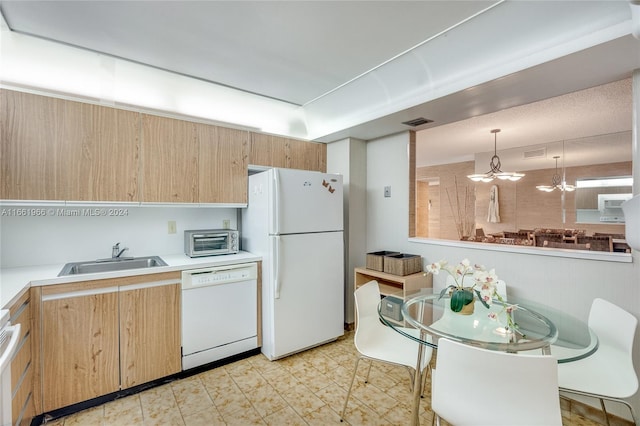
14	280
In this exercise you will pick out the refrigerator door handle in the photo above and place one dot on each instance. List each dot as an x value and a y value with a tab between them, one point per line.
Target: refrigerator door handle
275	226
276	267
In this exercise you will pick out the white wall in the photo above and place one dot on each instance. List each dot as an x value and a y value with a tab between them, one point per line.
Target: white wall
569	284
349	158
56	238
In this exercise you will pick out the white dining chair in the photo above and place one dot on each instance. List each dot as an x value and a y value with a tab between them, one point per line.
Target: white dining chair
474	386
608	373
377	342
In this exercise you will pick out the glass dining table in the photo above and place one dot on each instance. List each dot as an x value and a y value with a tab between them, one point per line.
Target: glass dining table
515	325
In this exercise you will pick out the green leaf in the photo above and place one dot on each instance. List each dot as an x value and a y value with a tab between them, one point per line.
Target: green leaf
444	290
460	298
486	305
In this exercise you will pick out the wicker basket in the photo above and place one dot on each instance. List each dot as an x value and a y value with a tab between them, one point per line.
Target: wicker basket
402	264
375	260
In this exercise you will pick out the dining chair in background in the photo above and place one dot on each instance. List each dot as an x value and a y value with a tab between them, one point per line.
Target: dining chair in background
608	373
377	342
474	386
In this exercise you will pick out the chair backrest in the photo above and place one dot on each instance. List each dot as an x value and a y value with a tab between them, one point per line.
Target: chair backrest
473	386
613	325
540	237
598	242
367	300
571	246
501	289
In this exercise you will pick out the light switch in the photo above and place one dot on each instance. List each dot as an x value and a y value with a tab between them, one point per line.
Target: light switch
172	227
387	191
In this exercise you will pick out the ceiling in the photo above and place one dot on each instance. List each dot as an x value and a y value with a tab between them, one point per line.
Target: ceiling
278	49
332	58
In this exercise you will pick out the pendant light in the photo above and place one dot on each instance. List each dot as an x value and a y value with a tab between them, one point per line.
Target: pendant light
556	182
495	171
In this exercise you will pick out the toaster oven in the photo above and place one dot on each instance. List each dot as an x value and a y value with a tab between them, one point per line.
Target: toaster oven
210	242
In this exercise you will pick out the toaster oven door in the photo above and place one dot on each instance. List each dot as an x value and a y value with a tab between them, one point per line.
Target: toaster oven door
208	244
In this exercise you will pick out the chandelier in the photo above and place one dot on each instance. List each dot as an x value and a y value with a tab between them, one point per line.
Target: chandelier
556	182
495	171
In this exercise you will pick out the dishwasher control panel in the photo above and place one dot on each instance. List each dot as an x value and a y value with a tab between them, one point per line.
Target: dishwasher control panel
195	278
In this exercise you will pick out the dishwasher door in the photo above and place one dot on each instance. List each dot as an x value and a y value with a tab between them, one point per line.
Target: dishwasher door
219	313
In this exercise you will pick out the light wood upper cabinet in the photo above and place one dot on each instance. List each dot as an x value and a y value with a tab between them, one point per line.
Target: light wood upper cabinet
149	333
307	155
223	167
100	161
275	151
268	150
31	138
79	347
169	160
54	149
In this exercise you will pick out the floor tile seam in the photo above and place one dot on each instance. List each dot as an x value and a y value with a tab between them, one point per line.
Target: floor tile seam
320	408
180	409
246	396
281	394
284	408
369	384
121	413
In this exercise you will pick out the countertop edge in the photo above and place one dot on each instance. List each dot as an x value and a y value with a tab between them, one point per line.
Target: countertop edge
14	281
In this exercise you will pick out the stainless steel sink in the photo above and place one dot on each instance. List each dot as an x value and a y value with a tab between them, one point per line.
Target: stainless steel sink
108	265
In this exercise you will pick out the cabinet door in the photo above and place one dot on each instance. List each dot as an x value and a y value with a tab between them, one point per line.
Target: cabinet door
169	160
30	146
22	405
54	149
223	164
100	155
149	333
275	151
268	150
79	346
306	155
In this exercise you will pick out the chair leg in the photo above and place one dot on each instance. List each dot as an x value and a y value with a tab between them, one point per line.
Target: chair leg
424	379
601	398
353	379
366	379
437	419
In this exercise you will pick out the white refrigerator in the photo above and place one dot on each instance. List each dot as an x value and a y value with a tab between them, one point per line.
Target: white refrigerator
294	220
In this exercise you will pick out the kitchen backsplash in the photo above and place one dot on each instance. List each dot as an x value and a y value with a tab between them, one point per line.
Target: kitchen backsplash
44	235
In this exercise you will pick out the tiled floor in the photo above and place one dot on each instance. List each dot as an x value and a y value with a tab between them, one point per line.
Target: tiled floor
304	389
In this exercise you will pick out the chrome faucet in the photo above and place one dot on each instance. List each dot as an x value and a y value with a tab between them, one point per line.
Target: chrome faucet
116	252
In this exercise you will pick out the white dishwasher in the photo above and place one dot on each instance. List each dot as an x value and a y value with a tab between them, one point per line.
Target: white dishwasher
219	313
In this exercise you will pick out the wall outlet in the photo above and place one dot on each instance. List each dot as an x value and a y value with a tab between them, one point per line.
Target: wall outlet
387	191
171	227
226	224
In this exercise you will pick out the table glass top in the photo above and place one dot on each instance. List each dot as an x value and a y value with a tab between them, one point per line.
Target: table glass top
533	327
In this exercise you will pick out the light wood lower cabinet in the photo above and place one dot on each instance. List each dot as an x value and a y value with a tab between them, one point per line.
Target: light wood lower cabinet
149	333
22	401
79	346
102	336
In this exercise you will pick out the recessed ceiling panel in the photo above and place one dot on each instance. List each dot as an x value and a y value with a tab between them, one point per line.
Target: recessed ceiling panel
288	50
